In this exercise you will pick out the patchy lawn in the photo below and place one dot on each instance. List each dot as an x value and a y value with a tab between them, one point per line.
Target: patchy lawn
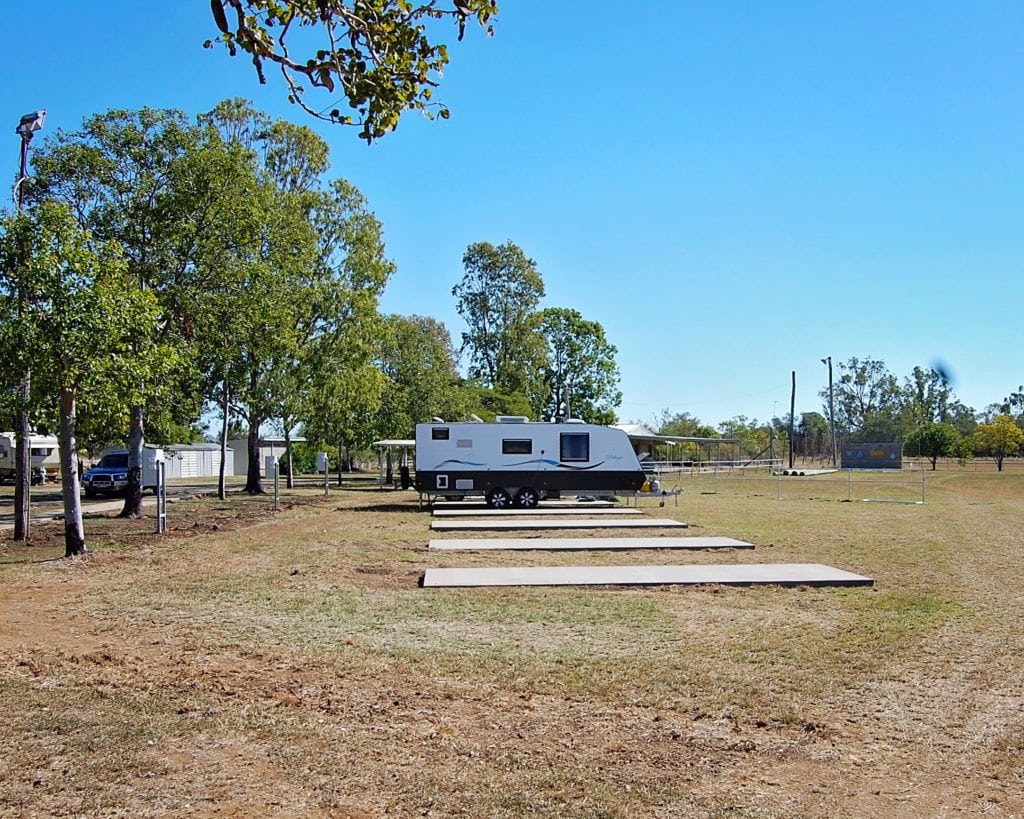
253	663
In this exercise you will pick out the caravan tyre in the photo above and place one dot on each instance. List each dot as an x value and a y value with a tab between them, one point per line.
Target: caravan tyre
527	498
498	498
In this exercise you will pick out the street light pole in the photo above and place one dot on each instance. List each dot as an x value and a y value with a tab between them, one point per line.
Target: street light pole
831	410
29	124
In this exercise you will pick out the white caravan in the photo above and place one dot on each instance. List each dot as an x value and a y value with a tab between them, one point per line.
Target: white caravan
517	461
44	452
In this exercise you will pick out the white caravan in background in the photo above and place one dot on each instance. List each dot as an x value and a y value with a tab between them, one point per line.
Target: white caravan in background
45	456
516	461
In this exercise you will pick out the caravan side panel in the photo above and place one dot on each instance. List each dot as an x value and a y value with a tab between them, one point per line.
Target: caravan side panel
473	458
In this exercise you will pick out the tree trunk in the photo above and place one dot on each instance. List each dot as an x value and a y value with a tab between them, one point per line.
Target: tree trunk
23	467
999	463
74	534
133	494
288	455
341	460
253	484
222	489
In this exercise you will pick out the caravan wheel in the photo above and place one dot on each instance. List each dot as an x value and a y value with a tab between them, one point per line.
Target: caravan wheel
498	498
527	498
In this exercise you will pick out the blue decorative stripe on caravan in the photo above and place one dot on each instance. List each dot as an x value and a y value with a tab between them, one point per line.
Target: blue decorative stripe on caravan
534	461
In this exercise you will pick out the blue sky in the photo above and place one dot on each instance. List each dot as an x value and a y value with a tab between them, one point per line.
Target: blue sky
733	190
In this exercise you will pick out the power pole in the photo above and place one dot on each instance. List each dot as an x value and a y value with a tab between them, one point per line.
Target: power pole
792	412
831	410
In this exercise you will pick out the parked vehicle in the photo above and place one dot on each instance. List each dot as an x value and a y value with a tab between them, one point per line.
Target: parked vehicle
110	475
515	461
44	452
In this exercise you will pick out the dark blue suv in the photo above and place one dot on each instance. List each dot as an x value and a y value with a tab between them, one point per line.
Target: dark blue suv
109	476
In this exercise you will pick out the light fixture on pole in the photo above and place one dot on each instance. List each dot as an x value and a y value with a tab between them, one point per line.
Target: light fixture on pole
831	410
29	124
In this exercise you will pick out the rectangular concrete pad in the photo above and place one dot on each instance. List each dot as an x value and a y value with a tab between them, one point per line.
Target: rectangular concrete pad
756	574
541	512
586	543
555	523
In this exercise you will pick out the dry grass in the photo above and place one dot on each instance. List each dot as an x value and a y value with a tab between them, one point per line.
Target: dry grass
288	665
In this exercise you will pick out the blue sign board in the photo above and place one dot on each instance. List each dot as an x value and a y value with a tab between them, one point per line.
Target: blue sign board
872	456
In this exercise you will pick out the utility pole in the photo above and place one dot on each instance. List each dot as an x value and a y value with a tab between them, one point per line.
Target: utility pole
29	124
831	410
792	412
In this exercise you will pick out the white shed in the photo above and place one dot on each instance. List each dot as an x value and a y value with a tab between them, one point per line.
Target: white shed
269	445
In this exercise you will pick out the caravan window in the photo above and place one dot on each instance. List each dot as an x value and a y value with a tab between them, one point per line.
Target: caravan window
516	446
575	446
439	434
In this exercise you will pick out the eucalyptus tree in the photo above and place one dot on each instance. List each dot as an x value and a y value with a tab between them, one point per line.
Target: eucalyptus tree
926	397
343	408
498	298
152	182
867	398
580	374
418	359
312	275
87	329
1013	406
376	55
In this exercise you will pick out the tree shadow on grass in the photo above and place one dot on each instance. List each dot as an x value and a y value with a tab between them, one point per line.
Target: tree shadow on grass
411	506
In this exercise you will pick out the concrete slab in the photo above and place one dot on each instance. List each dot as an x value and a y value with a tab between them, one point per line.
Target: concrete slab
756	574
507	524
519	513
556	544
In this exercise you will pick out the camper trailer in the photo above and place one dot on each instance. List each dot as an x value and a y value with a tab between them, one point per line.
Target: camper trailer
45	457
515	461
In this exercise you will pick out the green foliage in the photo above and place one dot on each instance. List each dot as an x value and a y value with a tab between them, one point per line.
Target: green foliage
580	374
926	397
684	425
498	298
553	357
935	440
751	435
300	267
71	312
1013	406
84	327
152	183
999	438
375	54
343	408
489	402
865	393
417	357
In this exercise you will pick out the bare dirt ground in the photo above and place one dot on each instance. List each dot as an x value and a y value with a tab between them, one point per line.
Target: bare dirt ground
252	663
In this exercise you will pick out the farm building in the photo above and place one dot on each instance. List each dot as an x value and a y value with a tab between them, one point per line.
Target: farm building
187	460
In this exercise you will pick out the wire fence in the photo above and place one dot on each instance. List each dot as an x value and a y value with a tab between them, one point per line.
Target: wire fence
907	486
